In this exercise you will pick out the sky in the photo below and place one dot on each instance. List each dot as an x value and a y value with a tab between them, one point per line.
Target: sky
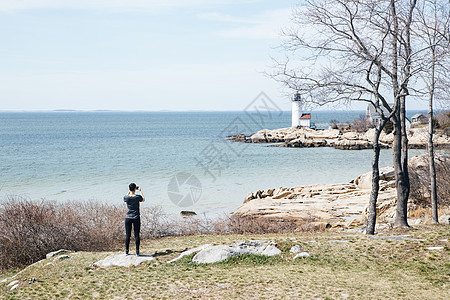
140	55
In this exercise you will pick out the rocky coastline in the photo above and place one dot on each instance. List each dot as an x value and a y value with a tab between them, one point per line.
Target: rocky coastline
303	137
331	205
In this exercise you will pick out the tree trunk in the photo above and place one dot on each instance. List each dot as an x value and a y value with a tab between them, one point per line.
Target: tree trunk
402	210
404	89
434	205
406	183
400	138
372	219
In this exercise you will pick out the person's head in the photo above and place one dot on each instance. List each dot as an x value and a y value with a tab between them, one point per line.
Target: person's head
132	187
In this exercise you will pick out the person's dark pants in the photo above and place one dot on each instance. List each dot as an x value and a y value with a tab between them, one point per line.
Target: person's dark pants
136	223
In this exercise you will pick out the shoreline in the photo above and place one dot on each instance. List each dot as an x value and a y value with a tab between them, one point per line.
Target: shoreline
341	205
304	137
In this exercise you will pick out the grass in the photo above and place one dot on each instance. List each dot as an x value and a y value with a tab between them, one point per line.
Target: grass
359	268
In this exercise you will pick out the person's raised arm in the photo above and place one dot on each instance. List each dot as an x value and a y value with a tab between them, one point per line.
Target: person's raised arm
140	191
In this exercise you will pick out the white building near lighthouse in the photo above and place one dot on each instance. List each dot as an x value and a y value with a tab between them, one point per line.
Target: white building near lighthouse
305	120
298	117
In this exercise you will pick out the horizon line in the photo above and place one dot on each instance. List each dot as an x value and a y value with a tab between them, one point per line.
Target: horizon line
168	110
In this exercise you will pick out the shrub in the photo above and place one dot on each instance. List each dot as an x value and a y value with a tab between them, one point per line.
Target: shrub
31	229
436	124
420	181
156	224
334	124
443	118
361	124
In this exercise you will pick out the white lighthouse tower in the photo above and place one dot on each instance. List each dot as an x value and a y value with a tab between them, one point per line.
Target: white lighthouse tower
296	109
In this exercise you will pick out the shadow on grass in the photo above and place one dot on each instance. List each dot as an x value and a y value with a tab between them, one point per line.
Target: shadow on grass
167	252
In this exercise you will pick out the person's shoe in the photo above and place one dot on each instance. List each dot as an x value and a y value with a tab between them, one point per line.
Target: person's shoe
137	253
126	252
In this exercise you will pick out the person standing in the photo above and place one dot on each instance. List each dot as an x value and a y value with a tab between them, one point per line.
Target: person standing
133	217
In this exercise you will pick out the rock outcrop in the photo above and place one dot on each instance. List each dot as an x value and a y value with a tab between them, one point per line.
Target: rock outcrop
218	253
189	252
54	253
418	137
305	137
123	260
302	255
330	203
296	249
387	176
336	205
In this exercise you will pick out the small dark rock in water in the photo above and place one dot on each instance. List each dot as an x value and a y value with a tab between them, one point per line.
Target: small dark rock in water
239	138
187	213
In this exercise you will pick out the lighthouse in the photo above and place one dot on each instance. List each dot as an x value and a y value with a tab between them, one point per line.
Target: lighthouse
296	109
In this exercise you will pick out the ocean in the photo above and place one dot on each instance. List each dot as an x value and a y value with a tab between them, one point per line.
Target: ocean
181	160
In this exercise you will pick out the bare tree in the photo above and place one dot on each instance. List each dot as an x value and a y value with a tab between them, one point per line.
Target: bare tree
433	31
348	50
354	50
372	207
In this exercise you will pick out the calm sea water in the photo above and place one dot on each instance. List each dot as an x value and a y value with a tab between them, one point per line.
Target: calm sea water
95	155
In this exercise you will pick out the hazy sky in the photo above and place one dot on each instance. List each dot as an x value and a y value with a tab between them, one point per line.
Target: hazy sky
139	54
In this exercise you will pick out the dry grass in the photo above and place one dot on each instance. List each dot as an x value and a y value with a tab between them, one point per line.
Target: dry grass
356	267
245	225
262	224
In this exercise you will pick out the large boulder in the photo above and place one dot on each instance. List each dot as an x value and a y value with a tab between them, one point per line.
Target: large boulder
364	181
213	254
189	252
370	134
221	252
417	163
259	137
324	134
306	143
275	193
296	249
418	136
444	219
386	138
54	253
302	255
275	135
345	144
352	136
123	260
